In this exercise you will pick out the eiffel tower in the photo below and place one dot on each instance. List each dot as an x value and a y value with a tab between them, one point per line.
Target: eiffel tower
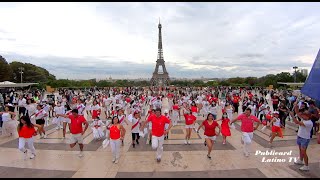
160	78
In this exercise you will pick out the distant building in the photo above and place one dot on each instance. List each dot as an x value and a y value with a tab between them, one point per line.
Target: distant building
304	72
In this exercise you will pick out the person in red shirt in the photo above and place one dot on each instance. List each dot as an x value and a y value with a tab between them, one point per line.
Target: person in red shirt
158	126
26	132
250	95
194	108
209	126
175	113
150	115
117	133
190	121
225	128
247	128
235	102
275	102
76	129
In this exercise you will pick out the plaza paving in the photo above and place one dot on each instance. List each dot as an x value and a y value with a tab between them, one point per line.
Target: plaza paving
55	158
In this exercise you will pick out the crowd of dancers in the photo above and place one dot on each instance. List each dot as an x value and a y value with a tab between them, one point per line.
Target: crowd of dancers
150	113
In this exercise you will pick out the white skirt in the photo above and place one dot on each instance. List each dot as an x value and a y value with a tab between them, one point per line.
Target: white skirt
97	132
9	127
175	115
87	108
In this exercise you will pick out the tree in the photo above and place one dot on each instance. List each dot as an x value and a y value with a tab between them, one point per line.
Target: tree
31	73
5	70
251	81
300	77
284	77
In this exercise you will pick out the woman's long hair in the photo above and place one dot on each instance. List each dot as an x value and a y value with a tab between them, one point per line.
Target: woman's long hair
27	120
209	115
112	121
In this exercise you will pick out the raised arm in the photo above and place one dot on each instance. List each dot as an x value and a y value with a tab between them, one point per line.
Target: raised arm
258	123
123	132
170	125
13	114
234	120
86	126
295	120
143	124
219	129
37	126
201	125
62	115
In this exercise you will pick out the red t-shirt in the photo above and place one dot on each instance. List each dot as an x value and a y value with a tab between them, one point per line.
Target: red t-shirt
247	122
250	96
189	119
275	100
128	100
175	107
76	124
215	99
26	132
151	114
158	124
236	99
209	130
194	109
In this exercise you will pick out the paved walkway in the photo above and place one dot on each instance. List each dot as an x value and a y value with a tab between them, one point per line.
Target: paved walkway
55	158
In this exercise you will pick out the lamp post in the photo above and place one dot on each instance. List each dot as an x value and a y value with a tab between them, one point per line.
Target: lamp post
21	72
295	73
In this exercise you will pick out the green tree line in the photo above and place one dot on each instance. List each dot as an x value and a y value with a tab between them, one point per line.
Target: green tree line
33	73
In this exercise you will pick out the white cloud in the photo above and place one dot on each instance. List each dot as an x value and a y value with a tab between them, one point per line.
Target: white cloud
202	39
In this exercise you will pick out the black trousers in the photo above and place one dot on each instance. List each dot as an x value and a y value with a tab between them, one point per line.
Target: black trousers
22	110
135	136
236	107
244	108
275	107
283	120
313	128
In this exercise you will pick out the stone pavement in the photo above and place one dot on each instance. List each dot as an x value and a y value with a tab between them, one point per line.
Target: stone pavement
55	158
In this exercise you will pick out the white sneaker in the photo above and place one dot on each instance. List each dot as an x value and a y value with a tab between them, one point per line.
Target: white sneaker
57	128
45	136
299	162
304	168
32	156
188	142
116	162
185	142
80	154
113	160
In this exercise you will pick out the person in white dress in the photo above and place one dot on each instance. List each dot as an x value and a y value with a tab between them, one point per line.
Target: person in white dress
213	110
88	104
229	110
58	109
95	110
9	124
97	129
31	107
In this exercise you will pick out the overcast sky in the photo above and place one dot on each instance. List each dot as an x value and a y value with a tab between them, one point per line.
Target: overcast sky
218	40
